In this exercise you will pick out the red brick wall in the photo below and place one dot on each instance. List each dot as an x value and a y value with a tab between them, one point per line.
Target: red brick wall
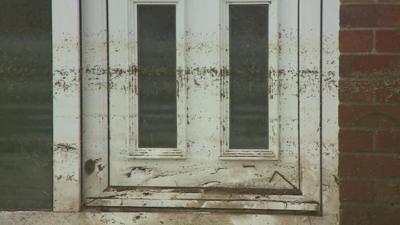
369	113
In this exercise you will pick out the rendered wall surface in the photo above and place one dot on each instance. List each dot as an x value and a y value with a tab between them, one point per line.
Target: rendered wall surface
369	139
25	105
369	111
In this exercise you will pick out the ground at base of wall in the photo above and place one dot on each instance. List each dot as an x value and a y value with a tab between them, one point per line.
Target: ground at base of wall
190	218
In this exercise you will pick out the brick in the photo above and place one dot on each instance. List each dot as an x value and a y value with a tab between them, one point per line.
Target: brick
362	215
369	116
369	66
369	166
387	91
359	191
388	191
360	91
388	41
388	141
369	169
355	141
355	41
373	15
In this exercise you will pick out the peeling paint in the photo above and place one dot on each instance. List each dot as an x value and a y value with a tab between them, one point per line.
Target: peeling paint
65	147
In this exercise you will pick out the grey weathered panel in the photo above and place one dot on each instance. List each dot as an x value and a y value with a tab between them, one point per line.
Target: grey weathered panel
25	105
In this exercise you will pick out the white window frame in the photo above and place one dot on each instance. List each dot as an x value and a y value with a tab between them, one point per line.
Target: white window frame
123	63
313	200
272	153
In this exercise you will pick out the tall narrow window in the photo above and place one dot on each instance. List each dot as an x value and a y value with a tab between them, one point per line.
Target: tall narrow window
157	92
248	76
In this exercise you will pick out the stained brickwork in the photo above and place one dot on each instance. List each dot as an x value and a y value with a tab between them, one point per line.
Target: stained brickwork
369	112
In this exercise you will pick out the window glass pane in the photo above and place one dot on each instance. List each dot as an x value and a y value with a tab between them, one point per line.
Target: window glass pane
26	109
248	62
157	76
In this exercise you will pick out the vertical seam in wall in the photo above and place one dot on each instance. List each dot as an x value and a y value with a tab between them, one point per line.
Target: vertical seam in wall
320	105
373	41
81	103
374	132
108	92
374	188
298	92
52	109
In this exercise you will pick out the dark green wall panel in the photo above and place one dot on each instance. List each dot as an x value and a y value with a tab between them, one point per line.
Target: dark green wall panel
25	105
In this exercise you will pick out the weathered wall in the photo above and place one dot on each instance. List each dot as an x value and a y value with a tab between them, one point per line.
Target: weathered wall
370	112
25	105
